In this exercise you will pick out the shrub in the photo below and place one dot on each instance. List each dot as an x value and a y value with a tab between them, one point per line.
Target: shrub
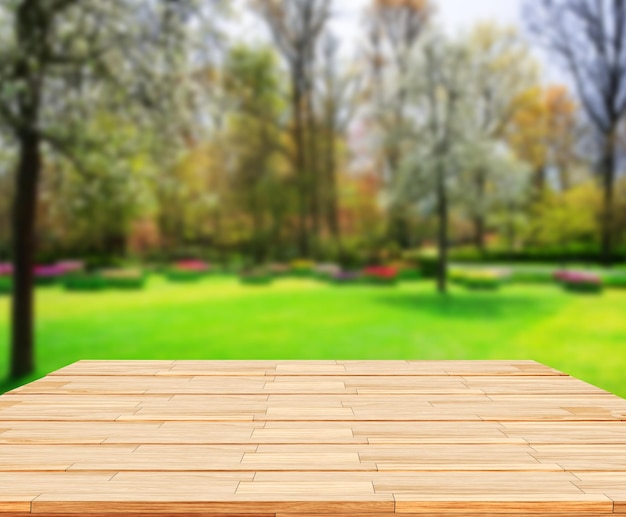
427	261
456	276
183	275
71	266
581	282
188	271
380	275
407	272
479	279
616	280
302	267
350	257
533	276
84	282
346	278
279	270
482	280
6	284
193	265
325	271
123	278
48	275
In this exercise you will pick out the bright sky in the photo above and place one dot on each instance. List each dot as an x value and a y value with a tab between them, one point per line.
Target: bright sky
453	16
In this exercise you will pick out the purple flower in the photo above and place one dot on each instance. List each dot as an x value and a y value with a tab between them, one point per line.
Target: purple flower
49	271
577	277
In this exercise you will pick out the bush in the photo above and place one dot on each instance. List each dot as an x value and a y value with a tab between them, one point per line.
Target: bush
580	282
483	280
302	268
407	272
410	275
479	279
48	275
426	260
325	271
84	282
123	278
346	278
187	271
279	270
533	276
350	256
6	285
379	275
615	280
183	275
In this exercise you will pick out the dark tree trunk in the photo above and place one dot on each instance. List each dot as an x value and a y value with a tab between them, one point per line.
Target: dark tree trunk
332	208
479	233
479	218
315	181
24	216
399	227
540	182
442	240
564	178
608	181
301	175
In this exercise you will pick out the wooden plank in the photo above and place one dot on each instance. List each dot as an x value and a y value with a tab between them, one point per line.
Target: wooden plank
303	438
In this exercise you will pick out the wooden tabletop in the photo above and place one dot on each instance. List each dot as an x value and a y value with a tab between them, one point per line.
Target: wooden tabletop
311	438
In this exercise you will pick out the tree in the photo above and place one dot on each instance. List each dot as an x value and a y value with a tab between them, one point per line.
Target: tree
254	136
296	26
587	37
339	101
544	133
395	29
55	60
442	103
502	68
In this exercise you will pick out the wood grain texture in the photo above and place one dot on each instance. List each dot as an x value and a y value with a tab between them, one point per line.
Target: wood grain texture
311	438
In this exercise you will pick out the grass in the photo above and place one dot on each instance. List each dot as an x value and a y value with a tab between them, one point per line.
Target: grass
218	318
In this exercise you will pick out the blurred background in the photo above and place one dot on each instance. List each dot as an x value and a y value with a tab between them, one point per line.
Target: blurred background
313	179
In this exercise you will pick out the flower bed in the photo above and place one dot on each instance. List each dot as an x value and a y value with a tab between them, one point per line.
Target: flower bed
380	275
279	270
579	282
123	278
71	266
484	280
326	271
407	272
302	268
188	271
6	269
48	275
346	278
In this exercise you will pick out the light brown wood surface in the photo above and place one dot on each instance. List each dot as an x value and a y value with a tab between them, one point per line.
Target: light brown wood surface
311	438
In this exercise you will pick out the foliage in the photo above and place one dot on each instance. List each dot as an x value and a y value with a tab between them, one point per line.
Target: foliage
84	282
380	275
6	285
582	282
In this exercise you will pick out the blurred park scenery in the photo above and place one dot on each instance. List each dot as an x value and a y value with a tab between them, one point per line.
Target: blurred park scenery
327	183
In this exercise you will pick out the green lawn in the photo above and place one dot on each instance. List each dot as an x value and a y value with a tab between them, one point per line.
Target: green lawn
583	335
